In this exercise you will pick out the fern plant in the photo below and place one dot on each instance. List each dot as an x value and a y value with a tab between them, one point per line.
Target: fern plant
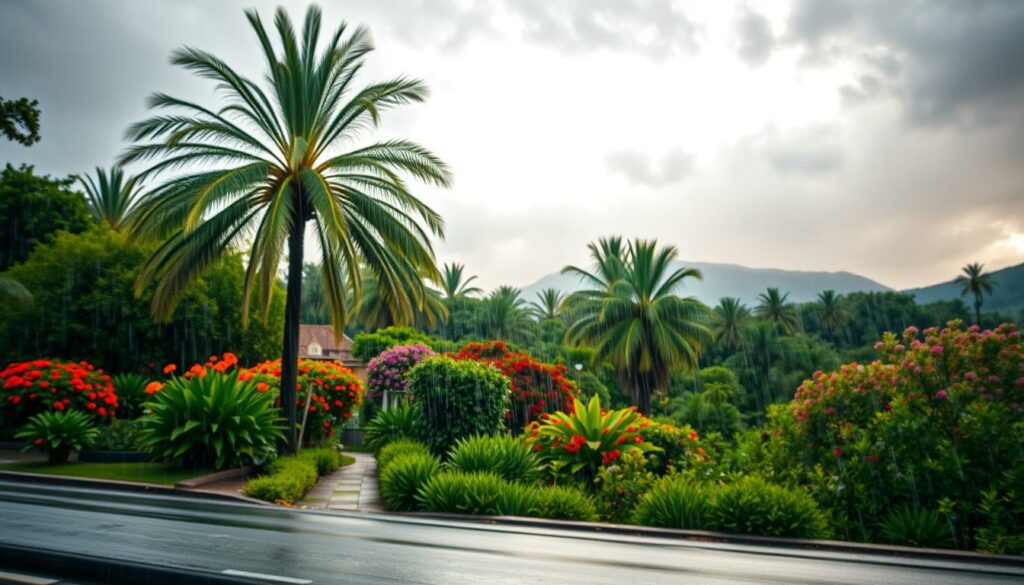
390	425
58	433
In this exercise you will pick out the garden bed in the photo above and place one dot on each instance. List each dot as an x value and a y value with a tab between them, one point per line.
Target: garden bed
104	456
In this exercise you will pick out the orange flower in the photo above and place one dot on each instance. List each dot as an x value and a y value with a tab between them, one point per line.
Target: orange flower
170	368
153	387
262	386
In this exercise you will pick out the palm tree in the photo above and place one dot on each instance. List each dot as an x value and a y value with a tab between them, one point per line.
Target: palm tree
833	314
774	309
637	321
731	317
548	304
505	313
453	286
609	263
112	196
977	282
375	310
270	164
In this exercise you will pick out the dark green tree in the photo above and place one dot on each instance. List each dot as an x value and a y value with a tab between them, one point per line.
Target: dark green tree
19	120
975	281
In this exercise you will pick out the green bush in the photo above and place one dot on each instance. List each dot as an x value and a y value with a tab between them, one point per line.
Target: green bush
289	479
516	499
119	435
393	450
326	459
131	394
211	420
911	526
504	455
754	506
619	487
674	502
404	477
58	433
367	346
465	493
565	503
390	425
456	399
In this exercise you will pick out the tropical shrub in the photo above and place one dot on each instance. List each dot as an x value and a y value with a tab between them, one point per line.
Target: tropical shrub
536	387
389	425
403	477
619	487
1004	515
465	493
455	399
559	502
288	480
367	346
387	372
937	418
119	435
681	448
397	449
674	502
210	420
132	392
578	444
58	433
753	506
911	526
503	455
517	499
38	386
336	393
326	459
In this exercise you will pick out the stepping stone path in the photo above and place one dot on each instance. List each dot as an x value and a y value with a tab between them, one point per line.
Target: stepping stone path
353	488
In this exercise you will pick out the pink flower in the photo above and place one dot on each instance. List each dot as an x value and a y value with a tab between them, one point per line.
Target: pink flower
969	376
941	394
936	349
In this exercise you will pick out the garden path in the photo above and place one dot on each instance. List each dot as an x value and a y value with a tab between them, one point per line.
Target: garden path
353	488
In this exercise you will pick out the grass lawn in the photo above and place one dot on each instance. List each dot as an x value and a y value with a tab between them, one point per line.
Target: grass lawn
346	460
158	473
358	449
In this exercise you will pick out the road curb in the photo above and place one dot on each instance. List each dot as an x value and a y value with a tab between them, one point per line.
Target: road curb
126	486
903	552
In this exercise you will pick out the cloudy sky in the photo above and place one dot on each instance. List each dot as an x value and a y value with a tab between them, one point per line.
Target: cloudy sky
883	138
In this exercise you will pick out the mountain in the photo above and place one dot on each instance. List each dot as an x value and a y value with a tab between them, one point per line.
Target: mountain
1007	294
732	280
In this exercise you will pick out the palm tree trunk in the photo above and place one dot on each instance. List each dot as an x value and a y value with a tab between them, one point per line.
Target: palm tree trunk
292	318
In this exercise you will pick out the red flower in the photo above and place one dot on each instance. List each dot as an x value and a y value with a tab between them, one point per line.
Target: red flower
838	452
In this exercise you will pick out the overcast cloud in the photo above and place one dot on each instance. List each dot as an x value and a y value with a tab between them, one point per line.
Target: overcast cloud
883	138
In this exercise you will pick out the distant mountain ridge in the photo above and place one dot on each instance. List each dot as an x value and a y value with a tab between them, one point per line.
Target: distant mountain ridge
1007	294
733	280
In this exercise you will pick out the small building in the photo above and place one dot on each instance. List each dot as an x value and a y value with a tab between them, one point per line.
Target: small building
316	342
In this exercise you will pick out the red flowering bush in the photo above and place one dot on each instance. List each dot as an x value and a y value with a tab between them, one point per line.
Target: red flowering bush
681	448
337	392
33	387
936	424
537	387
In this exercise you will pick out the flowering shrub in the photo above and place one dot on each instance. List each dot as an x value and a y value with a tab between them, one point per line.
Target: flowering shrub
337	391
578	444
681	448
33	387
387	372
537	387
935	423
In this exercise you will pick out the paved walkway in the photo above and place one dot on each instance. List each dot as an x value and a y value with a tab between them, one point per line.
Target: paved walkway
353	488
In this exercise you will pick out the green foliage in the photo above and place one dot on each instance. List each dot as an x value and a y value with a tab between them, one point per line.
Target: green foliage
403	477
398	422
112	196
19	120
32	209
398	448
326	459
458	492
289	479
366	346
120	435
1004	515
504	455
516	499
456	399
753	506
58	433
559	502
214	420
674	502
909	526
679	447
131	394
619	487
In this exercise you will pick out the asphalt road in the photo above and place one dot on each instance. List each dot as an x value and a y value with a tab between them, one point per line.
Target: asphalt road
311	547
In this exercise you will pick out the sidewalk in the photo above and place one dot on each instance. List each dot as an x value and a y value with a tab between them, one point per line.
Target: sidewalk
353	488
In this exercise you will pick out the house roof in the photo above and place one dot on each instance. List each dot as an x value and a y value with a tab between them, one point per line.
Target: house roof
323	335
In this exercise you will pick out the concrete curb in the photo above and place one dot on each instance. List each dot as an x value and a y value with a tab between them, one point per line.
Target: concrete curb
127	486
195	482
930	554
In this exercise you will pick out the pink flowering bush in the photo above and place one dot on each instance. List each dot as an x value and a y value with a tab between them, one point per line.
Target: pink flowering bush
387	372
936	424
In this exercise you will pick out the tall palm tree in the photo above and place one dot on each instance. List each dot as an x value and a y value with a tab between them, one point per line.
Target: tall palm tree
505	312
453	286
112	196
775	309
731	317
833	313
637	321
270	165
375	310
977	282
609	256
548	304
